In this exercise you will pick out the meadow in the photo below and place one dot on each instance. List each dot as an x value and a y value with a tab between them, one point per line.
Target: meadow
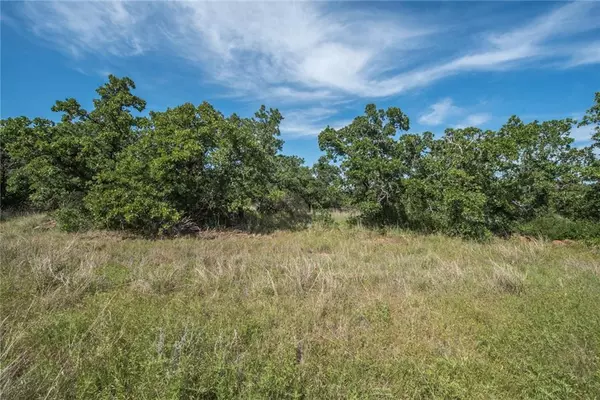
334	312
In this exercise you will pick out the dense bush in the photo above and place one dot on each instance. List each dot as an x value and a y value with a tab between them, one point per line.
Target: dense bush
191	167
187	165
468	182
555	227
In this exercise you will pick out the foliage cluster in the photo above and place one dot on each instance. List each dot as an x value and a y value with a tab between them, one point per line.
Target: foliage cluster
190	166
554	227
182	168
468	182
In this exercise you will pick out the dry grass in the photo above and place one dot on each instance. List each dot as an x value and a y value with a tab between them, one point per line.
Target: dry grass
321	313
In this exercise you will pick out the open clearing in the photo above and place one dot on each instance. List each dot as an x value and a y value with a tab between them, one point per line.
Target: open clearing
319	313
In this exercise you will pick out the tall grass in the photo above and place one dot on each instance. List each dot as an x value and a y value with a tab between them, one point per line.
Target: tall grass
319	313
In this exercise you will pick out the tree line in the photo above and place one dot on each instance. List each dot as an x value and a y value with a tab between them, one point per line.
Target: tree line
191	167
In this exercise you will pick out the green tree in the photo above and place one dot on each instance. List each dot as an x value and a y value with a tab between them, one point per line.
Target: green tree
190	164
591	173
14	187
327	185
58	161
367	152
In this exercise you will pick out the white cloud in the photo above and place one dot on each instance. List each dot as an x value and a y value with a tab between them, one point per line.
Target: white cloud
589	54
512	48
310	121
474	120
574	17
445	109
103	28
582	135
287	94
281	44
307	52
439	112
308	47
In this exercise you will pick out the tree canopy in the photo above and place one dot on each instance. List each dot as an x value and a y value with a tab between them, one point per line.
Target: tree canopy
191	166
467	182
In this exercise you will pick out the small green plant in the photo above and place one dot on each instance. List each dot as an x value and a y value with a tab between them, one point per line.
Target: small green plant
555	227
323	218
73	219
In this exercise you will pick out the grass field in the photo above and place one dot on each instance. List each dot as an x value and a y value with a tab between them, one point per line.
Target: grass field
320	313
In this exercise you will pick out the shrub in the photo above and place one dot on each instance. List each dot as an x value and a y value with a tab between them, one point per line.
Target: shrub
192	166
555	227
73	219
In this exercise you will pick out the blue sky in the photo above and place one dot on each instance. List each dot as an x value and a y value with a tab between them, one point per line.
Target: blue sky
447	64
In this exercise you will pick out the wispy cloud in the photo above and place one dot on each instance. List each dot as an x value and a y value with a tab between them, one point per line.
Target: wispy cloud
582	135
306	45
474	120
445	110
307	49
535	41
589	54
310	121
439	112
88	27
311	53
